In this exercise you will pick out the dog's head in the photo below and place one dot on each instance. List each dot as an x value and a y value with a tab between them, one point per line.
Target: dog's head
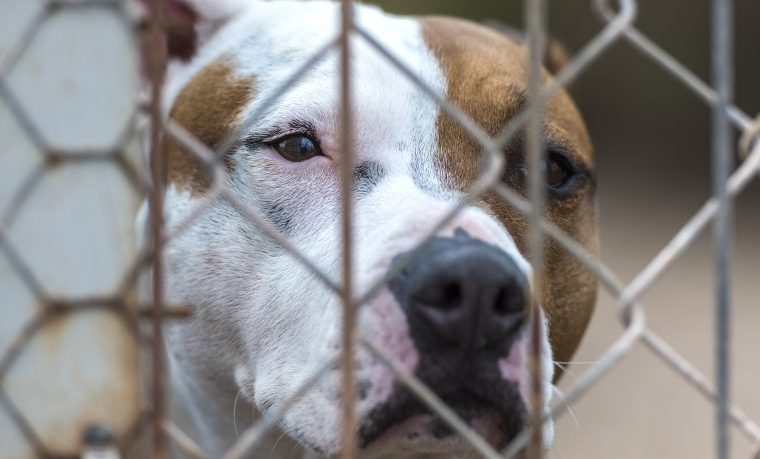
454	315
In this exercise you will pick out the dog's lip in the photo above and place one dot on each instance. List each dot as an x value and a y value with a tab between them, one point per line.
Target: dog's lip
411	422
413	436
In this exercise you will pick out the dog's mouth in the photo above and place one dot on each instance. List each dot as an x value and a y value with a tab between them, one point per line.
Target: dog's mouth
496	412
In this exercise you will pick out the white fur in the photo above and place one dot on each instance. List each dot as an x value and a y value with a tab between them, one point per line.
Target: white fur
263	324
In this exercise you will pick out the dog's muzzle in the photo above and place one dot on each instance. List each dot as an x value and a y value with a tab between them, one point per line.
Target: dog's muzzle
466	304
462	293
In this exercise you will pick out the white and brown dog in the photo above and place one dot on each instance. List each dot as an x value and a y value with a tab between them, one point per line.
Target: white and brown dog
454	316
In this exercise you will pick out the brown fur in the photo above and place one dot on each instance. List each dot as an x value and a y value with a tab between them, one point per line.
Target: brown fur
486	74
209	106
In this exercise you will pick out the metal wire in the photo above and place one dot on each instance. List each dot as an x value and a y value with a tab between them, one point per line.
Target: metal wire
535	20
436	405
157	69
348	379
254	434
722	158
619	24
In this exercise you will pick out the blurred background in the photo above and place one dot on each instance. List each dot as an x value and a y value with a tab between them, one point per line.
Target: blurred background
652	139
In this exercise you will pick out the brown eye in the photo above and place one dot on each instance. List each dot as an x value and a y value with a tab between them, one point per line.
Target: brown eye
297	148
558	170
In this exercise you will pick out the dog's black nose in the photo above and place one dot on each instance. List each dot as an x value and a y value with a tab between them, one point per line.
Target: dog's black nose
463	292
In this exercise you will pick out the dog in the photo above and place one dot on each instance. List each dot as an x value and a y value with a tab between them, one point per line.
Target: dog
454	315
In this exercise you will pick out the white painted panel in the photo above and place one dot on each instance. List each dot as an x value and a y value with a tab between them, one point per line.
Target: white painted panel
14	444
18	305
76	230
78	79
18	156
79	370
16	17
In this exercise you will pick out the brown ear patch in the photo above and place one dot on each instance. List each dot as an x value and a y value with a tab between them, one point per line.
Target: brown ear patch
556	56
481	72
208	107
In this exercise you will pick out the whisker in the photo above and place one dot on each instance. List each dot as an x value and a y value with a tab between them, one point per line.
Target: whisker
578	362
561	396
234	414
276	444
566	369
296	447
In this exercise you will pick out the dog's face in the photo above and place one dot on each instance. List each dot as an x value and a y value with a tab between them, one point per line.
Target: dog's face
454	315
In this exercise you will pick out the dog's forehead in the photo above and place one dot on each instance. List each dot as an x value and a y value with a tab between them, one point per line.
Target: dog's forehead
487	74
481	71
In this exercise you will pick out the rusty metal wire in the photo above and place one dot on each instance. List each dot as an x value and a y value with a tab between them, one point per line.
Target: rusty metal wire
536	20
50	309
348	341
157	61
619	18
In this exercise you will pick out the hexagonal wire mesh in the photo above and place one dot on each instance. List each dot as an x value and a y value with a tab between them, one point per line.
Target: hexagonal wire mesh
64	286
66	289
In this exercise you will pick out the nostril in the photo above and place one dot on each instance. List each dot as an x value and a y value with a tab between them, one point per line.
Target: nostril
444	296
463	292
452	294
509	300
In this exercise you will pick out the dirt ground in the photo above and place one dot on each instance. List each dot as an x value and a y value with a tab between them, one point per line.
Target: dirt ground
643	409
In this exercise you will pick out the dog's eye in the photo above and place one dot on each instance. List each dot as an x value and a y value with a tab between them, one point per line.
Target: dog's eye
562	174
297	148
558	170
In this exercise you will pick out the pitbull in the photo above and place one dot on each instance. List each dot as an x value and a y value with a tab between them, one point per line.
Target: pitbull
454	315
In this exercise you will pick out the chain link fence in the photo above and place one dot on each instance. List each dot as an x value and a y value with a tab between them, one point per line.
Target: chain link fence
75	339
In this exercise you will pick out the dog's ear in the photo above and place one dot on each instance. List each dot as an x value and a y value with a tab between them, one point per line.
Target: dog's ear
556	55
189	23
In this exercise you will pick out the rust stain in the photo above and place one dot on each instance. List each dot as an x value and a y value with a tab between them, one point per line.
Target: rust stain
85	364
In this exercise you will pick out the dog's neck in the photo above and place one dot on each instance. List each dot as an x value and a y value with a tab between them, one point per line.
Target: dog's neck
206	409
214	414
